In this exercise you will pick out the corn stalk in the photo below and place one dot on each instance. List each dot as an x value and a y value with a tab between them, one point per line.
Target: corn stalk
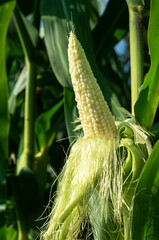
136	48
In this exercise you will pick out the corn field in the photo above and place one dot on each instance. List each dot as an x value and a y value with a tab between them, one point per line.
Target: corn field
79	120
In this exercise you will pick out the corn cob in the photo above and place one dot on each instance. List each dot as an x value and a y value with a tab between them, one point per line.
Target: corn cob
94	112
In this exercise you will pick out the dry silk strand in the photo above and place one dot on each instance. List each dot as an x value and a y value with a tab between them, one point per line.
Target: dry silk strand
92	165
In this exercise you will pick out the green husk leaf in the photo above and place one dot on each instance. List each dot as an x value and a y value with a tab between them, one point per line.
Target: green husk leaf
136	142
103	230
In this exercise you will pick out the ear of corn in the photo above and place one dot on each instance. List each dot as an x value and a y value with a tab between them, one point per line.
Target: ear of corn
93	164
95	115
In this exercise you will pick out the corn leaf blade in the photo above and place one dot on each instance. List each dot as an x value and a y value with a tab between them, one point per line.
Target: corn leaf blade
29	38
56	31
11	233
146	208
5	15
149	95
46	126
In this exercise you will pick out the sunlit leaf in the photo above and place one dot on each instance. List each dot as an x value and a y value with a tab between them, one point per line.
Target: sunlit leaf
56	33
146	106
11	233
146	208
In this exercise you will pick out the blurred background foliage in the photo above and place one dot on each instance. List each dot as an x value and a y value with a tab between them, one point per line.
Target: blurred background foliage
35	33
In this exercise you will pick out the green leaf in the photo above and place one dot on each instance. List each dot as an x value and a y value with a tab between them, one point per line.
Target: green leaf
146	208
5	15
149	95
11	233
27	33
56	34
18	88
46	126
30	40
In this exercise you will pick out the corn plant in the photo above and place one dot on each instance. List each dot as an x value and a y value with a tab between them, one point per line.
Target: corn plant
68	87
